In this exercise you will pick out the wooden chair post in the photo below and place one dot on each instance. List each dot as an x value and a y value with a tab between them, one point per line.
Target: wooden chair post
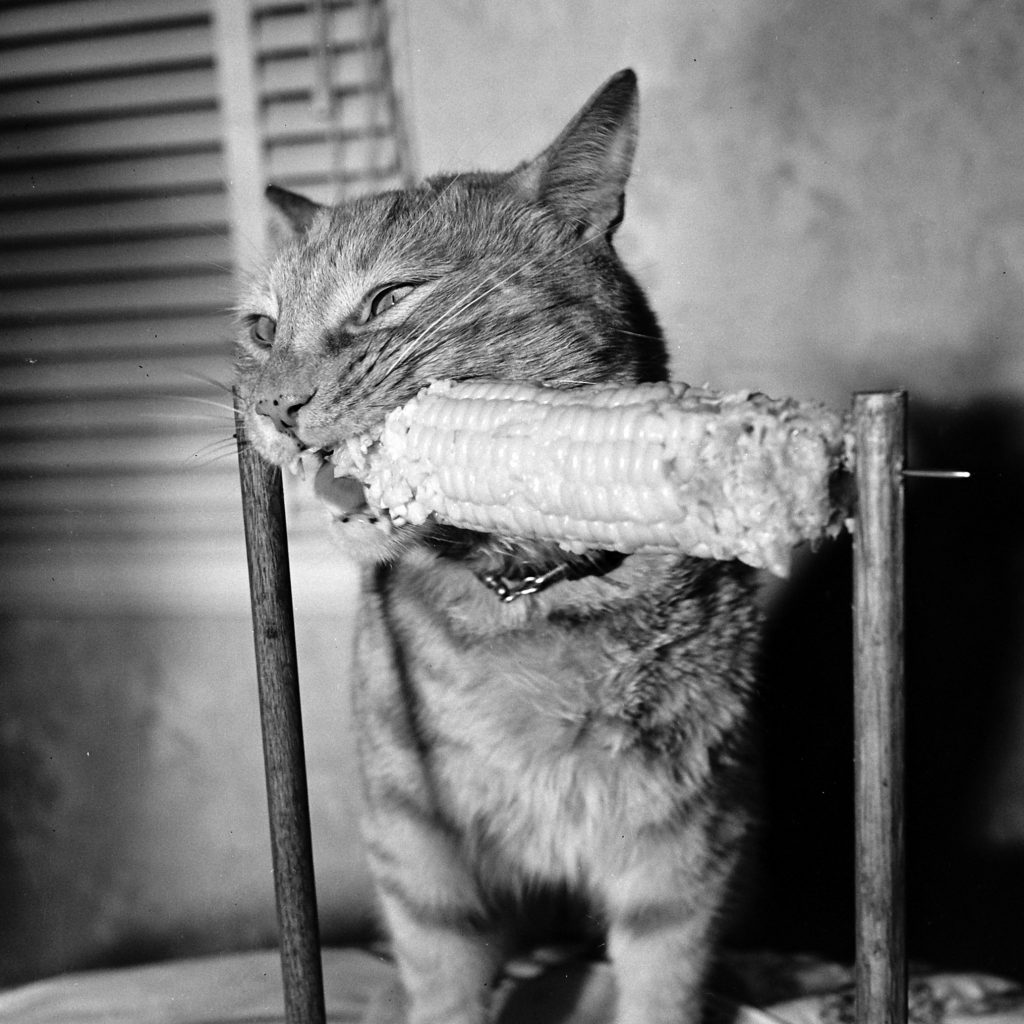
878	570
881	988
281	718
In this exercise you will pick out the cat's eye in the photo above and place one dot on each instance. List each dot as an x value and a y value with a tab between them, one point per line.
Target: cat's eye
262	330
384	298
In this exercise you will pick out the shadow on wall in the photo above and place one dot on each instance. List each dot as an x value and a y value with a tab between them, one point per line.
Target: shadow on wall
965	703
133	822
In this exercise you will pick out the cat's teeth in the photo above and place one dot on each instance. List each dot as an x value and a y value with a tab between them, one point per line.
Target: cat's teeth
310	462
356	451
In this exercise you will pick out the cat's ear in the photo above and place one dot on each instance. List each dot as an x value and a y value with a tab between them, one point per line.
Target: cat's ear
583	173
297	210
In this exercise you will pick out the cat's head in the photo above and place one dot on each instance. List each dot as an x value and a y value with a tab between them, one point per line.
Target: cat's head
508	275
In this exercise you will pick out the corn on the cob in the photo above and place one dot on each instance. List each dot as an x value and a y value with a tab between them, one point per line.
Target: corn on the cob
650	467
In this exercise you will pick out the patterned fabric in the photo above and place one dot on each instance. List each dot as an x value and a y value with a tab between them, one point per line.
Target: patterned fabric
932	999
361	988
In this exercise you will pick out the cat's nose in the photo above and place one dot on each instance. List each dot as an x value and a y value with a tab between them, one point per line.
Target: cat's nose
283	410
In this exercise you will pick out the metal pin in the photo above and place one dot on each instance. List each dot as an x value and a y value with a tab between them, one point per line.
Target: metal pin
939	474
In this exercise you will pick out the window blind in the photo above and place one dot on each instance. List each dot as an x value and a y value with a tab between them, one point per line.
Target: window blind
118	266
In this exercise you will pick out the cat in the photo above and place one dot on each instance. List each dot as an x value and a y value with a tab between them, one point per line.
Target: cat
529	722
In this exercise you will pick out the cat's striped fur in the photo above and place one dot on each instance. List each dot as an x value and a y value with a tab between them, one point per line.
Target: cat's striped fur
590	740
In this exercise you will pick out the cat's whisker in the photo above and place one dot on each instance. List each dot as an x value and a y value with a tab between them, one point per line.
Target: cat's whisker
415	344
475	295
216	451
438	196
528	265
220	442
227	268
206	379
160	417
460	306
197	400
204	461
423	349
637	334
482	291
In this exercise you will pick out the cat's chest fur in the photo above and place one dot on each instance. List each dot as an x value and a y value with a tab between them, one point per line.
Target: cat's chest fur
535	725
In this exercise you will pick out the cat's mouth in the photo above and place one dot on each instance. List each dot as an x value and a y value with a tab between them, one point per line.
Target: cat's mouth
343	496
335	475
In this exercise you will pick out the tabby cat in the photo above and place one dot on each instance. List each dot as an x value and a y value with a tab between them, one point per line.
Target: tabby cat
588	740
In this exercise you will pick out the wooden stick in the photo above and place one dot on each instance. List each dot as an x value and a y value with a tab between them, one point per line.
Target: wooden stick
281	718
879	426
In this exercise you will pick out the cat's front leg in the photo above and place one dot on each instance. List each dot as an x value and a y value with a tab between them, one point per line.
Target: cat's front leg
662	915
449	954
449	968
447	946
659	969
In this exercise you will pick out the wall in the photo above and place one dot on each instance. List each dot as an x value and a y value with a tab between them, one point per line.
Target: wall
133	816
